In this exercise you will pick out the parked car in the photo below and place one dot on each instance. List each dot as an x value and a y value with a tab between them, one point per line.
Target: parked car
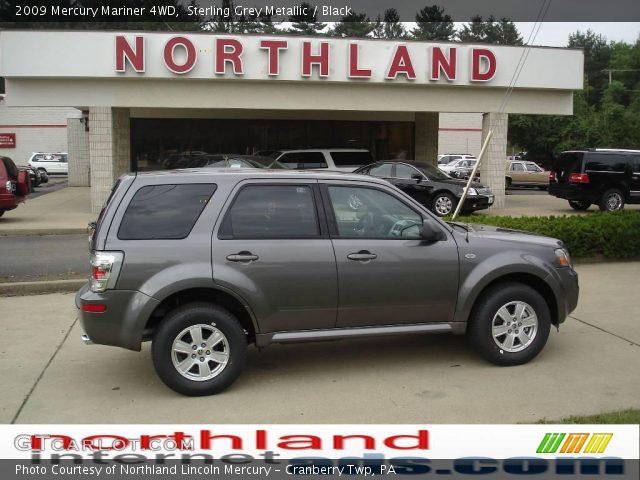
51	163
34	175
204	262
15	185
460	168
233	160
447	158
525	174
339	159
608	178
430	186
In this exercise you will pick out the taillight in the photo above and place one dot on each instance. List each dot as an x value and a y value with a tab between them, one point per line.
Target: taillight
578	178
104	270
93	307
553	177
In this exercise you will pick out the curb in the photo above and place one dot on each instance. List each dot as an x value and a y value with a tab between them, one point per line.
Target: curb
43	231
38	288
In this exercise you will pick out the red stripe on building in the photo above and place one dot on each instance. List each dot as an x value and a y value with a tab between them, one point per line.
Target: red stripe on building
460	129
33	126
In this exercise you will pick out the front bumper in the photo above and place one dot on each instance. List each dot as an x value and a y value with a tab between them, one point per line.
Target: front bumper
566	290
122	325
478	202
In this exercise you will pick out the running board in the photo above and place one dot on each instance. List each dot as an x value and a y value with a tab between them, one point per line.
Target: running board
264	339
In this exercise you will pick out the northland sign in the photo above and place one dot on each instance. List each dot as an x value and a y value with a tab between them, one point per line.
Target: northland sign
280	58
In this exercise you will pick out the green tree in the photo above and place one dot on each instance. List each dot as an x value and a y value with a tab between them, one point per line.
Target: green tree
475	31
597	53
499	32
353	25
433	24
306	23
392	27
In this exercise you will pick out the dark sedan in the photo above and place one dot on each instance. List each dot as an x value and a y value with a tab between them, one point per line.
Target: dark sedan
430	186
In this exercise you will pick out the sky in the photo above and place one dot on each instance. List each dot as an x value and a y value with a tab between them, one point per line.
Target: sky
555	34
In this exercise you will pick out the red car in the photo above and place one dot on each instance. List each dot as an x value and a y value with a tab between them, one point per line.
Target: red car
14	185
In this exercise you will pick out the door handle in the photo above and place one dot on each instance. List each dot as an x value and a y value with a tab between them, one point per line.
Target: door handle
244	257
362	256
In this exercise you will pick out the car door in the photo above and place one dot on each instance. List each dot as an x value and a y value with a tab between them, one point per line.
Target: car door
634	183
412	182
518	174
387	274
272	248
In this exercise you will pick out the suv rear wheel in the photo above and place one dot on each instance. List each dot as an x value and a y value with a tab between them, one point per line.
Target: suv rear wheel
612	200
579	205
199	349
509	324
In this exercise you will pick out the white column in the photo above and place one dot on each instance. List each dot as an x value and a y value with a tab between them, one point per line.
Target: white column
109	146
495	156
78	149
426	137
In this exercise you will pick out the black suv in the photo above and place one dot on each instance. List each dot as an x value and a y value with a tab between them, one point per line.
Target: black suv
607	178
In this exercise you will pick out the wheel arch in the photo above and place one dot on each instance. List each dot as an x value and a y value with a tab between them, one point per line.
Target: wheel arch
213	295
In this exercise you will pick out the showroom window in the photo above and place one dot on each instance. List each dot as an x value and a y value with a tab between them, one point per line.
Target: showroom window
369	213
271	211
164	212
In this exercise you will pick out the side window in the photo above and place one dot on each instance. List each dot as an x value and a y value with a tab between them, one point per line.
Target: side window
517	167
271	211
531	167
383	170
312	160
290	160
369	213
351	159
606	162
164	211
405	171
636	165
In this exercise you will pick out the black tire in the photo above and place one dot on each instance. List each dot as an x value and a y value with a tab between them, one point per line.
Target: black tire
579	205
543	187
443	204
507	183
43	170
1	212
207	315
612	200
486	310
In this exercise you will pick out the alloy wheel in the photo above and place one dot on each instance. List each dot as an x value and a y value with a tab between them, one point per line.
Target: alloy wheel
200	352
443	205
514	326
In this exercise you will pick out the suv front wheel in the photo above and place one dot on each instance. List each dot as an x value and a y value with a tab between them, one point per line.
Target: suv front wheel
579	205
612	200
199	349
509	324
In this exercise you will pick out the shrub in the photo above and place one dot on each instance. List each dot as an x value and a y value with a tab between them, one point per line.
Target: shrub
608	234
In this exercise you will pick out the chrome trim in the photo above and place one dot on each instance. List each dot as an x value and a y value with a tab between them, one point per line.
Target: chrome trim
338	333
86	339
603	171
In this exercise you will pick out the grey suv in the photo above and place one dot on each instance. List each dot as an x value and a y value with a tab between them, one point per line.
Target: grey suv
205	262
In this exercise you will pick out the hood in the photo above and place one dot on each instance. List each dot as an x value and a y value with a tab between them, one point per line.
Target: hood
491	232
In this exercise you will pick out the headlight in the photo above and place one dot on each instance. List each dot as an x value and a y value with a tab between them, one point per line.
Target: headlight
564	260
472	191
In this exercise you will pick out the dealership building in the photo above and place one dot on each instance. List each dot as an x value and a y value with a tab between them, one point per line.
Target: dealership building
140	97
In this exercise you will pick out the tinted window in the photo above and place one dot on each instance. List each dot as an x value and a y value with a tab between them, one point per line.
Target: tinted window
351	159
405	171
271	211
568	163
370	213
636	165
383	170
303	160
50	157
606	162
164	211
517	167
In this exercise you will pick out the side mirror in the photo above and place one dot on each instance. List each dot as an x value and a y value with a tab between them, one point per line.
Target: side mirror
431	233
416	177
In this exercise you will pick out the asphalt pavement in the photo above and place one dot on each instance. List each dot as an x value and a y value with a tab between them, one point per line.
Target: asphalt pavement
590	366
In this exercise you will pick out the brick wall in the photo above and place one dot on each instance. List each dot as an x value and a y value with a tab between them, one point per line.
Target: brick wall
492	166
78	142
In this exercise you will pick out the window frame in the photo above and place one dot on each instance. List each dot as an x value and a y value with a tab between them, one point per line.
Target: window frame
133	195
321	219
416	171
513	164
334	233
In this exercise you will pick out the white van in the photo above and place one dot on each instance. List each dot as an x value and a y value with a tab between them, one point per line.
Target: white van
51	163
340	159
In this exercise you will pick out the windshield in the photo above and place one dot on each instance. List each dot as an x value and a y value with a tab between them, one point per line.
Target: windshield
433	173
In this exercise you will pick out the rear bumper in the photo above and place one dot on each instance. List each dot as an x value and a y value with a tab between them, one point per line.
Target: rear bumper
9	201
122	324
573	192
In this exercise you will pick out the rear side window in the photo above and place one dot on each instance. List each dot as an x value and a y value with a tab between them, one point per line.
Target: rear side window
351	159
383	170
606	162
271	211
517	167
303	160
166	212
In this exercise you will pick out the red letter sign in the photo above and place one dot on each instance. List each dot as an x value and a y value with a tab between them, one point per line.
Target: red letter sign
190	50
274	47
354	70
401	63
478	55
440	63
321	59
233	55
124	51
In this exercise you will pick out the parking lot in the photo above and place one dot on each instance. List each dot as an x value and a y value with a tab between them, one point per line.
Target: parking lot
590	366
